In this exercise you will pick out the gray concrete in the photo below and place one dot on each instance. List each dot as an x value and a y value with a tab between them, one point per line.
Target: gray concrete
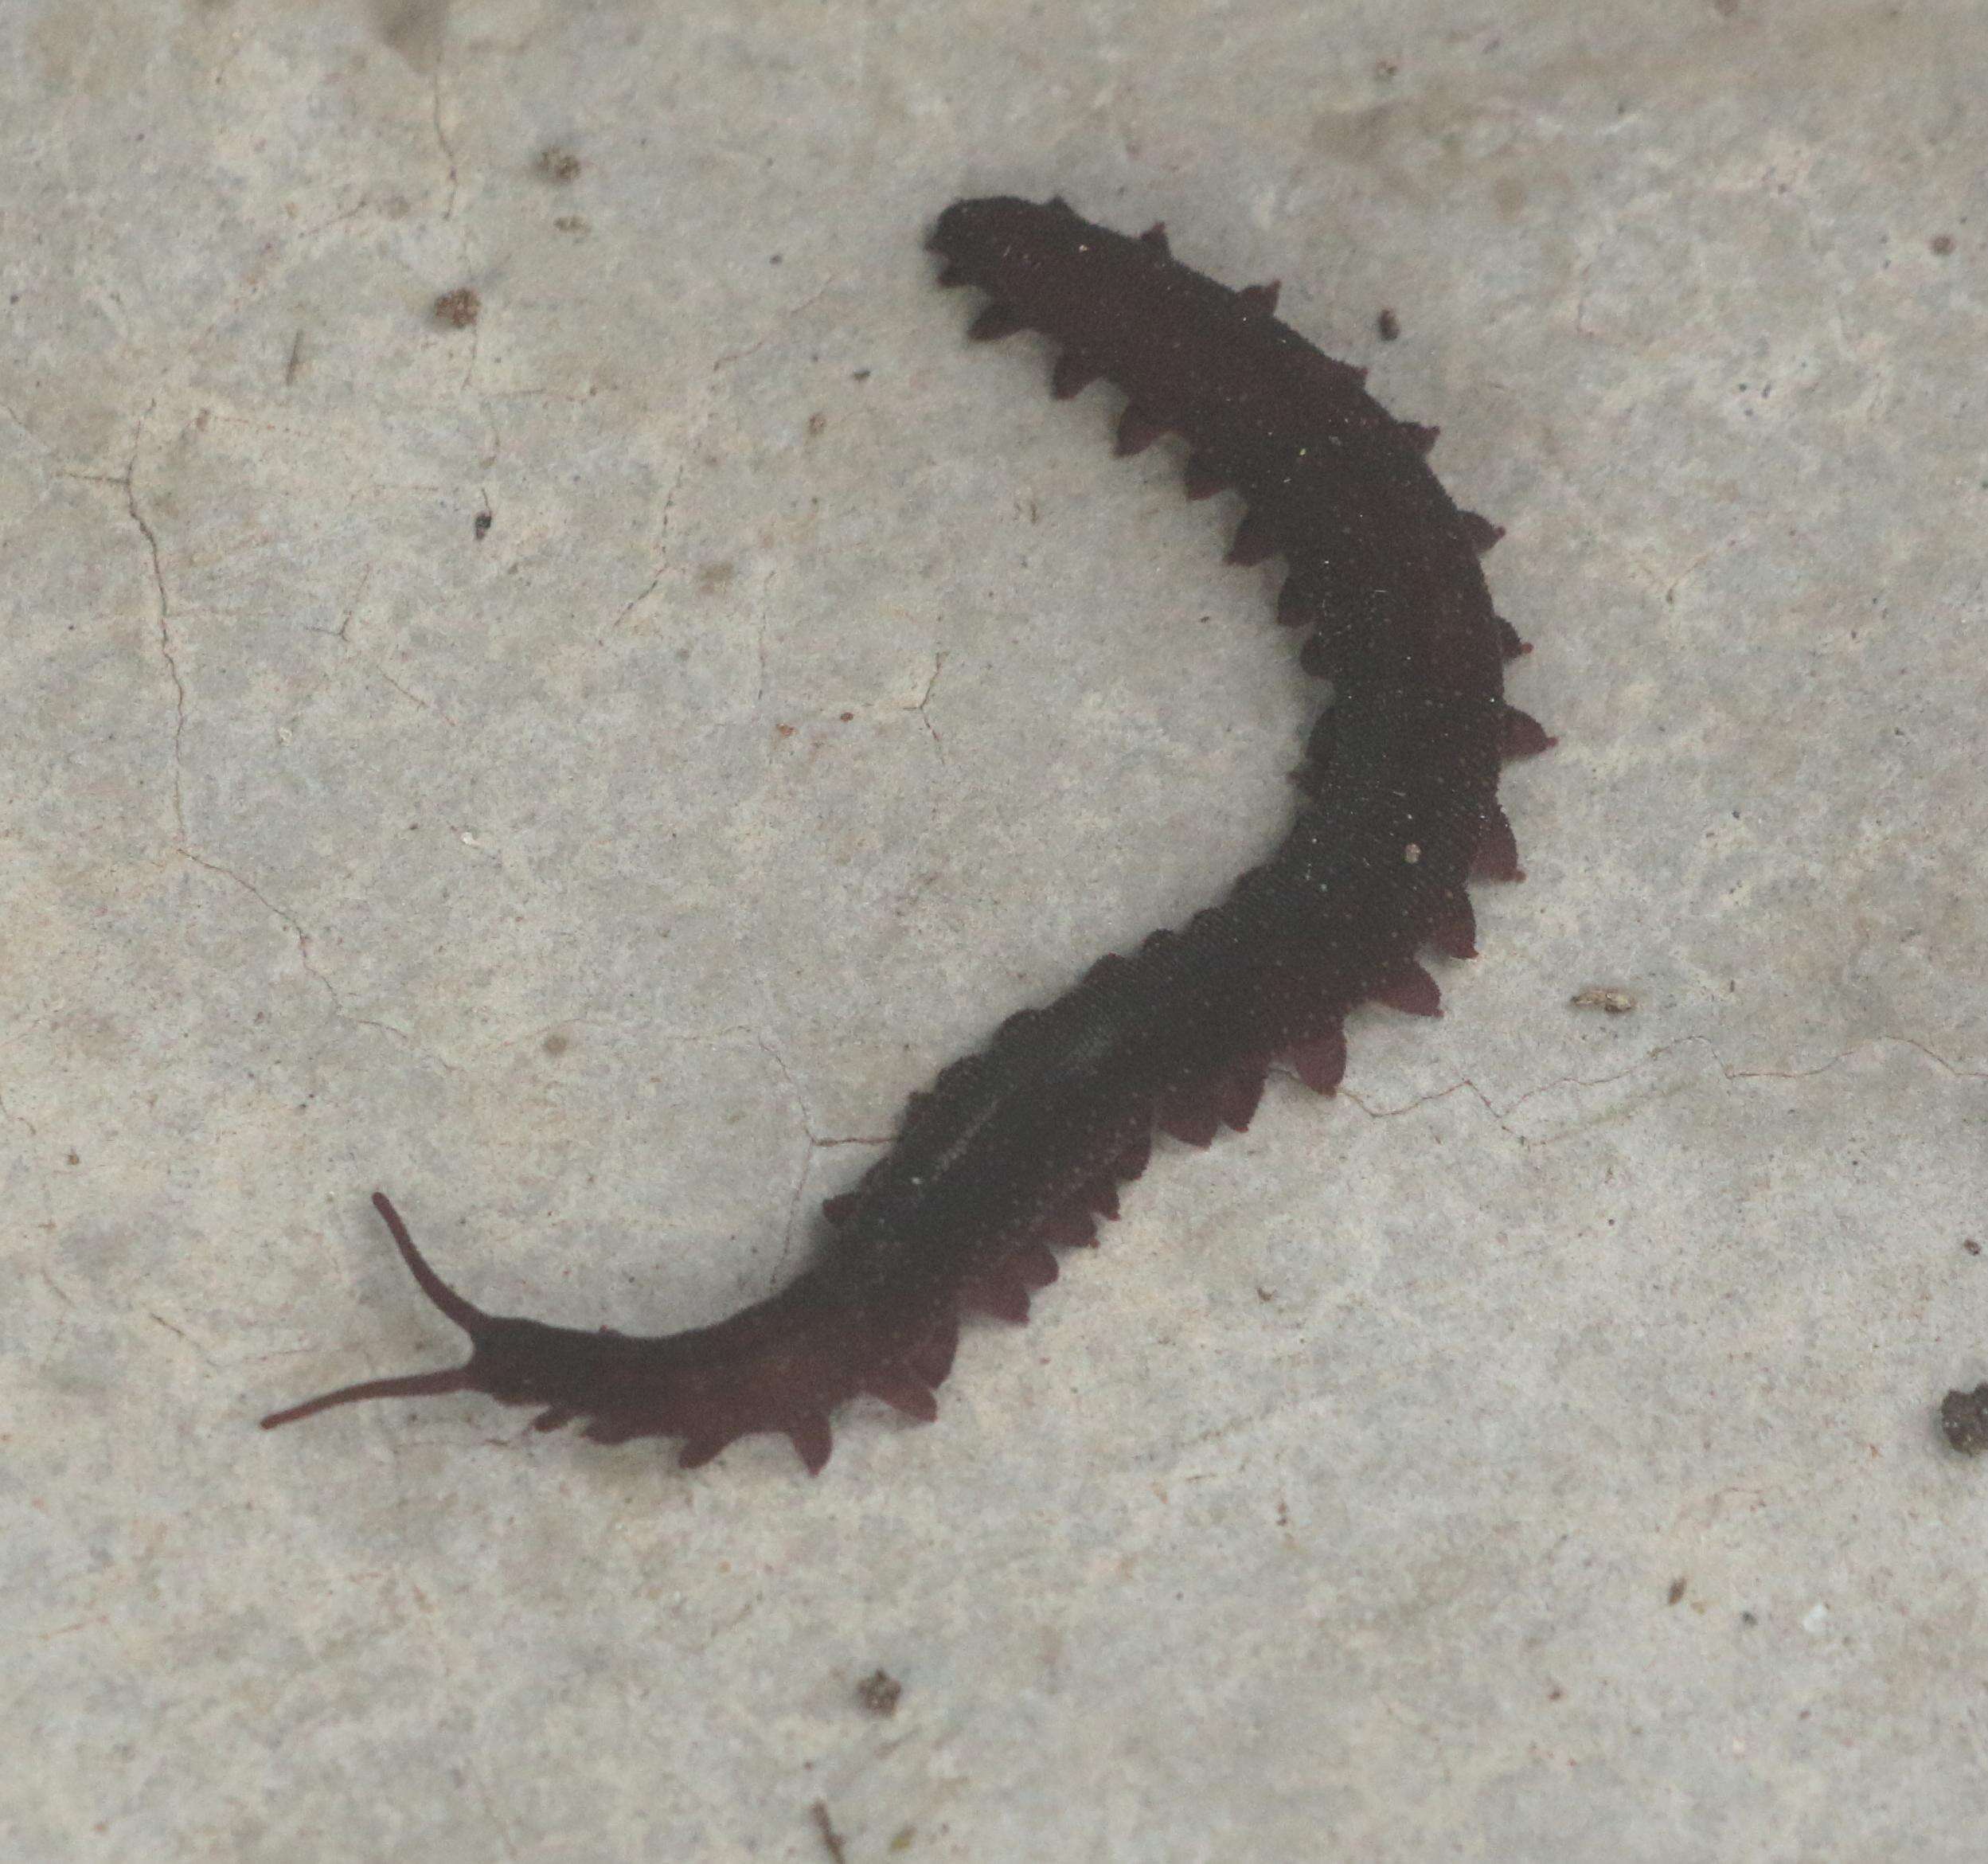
1529	1455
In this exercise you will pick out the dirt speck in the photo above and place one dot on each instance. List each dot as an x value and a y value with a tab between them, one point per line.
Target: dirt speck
1389	325
1942	244
879	1692
1963	1415
558	163
1599	997
1676	1592
459	308
556	1043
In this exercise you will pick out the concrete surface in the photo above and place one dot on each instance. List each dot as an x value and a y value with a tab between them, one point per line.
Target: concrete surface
1530	1455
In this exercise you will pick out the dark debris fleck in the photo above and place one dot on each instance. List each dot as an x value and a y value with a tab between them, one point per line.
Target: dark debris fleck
1963	1415
459	308
879	1691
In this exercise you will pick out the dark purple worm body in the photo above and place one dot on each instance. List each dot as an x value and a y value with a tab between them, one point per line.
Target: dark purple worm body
1018	1150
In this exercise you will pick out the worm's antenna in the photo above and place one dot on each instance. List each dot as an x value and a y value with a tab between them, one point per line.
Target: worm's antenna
472	1320
413	1385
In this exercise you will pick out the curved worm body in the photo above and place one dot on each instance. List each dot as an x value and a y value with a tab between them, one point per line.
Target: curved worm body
1018	1150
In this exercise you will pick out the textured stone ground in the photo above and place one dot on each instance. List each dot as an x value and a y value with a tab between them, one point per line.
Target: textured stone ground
578	760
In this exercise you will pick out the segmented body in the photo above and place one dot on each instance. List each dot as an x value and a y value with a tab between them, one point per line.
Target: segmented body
1016	1151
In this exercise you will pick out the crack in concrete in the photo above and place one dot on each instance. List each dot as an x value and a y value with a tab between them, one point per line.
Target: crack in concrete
654	582
324	226
1692	569
288	920
14	416
469	368
780	321
126	482
690	447
406	693
816	1142
807	1158
1727	1071
342	634
938	666
8	1113
1933	1055
201	1352
56	1288
441	136
663	538
352	607
764	608
537	395
296	930
447	147
168	652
